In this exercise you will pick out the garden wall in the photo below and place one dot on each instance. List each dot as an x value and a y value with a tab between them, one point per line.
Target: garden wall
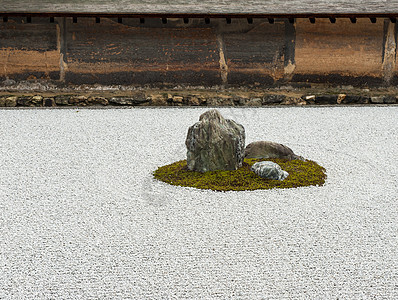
198	52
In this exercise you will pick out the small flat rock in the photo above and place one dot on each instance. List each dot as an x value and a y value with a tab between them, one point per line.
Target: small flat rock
377	99
389	99
269	170
128	101
266	149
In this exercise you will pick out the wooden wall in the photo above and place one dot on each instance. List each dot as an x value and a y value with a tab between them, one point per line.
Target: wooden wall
29	51
113	53
341	52
198	54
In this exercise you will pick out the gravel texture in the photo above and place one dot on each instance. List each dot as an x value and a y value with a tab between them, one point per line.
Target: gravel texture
82	218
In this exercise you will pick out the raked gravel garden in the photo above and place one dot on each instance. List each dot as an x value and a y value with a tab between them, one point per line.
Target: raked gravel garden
81	216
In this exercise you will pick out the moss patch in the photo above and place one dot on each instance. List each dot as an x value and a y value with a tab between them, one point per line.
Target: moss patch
301	173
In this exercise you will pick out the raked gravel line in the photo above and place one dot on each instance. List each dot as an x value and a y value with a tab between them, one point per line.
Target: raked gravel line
81	217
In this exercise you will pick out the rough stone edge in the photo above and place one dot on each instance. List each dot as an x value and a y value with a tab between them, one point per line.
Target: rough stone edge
192	99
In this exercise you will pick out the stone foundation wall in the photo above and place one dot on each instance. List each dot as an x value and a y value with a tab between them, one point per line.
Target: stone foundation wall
198	52
193	99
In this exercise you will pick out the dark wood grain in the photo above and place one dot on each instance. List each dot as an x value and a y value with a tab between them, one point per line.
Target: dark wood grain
201	6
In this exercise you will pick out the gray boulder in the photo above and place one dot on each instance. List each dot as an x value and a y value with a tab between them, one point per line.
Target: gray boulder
269	170
215	143
265	149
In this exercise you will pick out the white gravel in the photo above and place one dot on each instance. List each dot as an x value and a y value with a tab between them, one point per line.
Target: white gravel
81	217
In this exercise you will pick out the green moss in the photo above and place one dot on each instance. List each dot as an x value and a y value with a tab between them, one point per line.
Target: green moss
301	173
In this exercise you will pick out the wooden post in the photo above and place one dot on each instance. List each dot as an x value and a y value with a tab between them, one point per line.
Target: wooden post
62	47
290	49
223	61
389	53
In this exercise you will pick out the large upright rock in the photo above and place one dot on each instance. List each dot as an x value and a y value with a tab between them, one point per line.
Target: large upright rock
215	143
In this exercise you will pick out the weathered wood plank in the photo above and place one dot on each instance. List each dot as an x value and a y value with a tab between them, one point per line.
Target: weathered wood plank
35	36
28	51
201	6
255	55
325	50
114	53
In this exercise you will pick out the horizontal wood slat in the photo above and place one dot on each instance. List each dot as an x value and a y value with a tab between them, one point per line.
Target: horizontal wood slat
202	6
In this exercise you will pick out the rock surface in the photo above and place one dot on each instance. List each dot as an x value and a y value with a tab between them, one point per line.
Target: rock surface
11	101
139	100
269	170
97	101
159	98
215	143
265	149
